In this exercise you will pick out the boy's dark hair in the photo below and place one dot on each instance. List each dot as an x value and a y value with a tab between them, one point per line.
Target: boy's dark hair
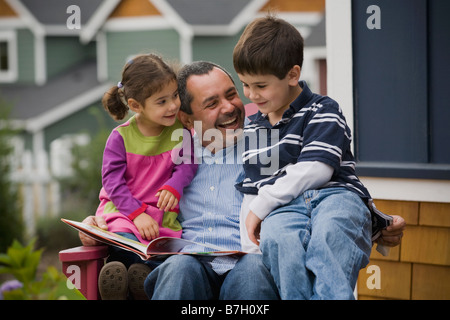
268	45
196	68
142	76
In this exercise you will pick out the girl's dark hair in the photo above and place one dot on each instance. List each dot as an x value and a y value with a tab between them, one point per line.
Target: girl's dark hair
142	76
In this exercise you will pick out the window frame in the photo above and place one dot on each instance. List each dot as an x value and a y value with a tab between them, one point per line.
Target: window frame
11	74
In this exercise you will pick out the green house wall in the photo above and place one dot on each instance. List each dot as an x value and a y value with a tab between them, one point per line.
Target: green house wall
218	49
88	120
122	45
66	52
25	52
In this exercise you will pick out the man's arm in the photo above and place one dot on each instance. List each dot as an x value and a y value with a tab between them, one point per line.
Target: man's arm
97	221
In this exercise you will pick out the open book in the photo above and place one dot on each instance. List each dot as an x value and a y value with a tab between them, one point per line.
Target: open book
380	221
162	246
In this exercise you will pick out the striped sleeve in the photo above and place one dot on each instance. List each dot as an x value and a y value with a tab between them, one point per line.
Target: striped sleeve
326	136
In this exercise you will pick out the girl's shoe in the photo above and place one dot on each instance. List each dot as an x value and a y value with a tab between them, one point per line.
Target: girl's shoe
113	281
137	273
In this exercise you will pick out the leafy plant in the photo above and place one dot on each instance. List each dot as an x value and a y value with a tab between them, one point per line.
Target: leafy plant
22	262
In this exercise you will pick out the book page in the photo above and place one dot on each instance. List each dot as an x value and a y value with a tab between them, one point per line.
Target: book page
106	236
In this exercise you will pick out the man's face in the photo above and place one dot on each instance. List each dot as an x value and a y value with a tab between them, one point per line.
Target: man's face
216	104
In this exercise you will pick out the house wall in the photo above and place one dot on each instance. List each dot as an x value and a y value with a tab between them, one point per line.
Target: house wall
65	52
419	268
218	49
88	120
134	8
292	6
5	10
25	51
121	45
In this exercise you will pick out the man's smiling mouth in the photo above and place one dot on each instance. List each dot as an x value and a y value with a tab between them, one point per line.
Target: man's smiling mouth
228	123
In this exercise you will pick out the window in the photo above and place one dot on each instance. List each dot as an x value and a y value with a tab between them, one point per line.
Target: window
3	56
8	56
401	77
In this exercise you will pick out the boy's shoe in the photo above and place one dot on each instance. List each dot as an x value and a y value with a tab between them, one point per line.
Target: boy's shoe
113	281
137	273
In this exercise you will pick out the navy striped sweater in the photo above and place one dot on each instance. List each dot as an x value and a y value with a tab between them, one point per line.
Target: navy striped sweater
312	129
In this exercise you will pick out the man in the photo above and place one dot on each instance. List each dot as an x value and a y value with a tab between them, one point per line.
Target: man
210	206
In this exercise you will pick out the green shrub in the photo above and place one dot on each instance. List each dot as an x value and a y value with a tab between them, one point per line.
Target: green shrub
22	263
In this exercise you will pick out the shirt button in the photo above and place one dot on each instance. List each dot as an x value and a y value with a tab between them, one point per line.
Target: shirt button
211	188
210	229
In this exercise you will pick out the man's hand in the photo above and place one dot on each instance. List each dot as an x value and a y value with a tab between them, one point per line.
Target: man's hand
147	226
97	221
393	234
166	200
253	225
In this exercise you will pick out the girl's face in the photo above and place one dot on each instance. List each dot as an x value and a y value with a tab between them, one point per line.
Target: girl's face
159	110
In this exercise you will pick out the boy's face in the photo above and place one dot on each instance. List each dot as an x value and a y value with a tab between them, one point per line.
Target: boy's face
272	95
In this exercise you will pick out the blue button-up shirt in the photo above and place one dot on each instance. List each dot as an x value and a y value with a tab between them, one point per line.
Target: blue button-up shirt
210	206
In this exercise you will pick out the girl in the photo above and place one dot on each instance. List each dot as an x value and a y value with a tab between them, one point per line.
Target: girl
142	183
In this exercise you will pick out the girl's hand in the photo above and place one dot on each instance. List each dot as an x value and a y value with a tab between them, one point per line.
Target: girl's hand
167	201
147	226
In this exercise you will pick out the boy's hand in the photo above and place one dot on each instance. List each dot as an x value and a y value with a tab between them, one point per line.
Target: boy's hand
253	225
147	226
167	201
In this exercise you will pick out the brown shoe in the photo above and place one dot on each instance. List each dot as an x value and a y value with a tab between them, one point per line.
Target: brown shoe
137	273
113	281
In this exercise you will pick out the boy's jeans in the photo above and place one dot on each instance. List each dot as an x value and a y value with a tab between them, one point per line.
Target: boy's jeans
315	246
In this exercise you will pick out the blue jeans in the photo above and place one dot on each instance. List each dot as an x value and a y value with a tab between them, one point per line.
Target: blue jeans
315	246
184	277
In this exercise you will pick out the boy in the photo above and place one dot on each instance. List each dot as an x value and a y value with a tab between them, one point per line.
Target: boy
316	234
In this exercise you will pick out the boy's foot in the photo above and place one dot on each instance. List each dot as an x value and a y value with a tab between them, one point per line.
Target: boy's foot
113	281
137	273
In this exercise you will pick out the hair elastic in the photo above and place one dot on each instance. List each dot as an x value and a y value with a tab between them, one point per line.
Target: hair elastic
119	85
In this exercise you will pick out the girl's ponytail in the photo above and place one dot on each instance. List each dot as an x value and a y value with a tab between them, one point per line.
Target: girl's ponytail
114	102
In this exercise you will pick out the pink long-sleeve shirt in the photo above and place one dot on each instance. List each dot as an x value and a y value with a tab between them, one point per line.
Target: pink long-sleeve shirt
136	167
